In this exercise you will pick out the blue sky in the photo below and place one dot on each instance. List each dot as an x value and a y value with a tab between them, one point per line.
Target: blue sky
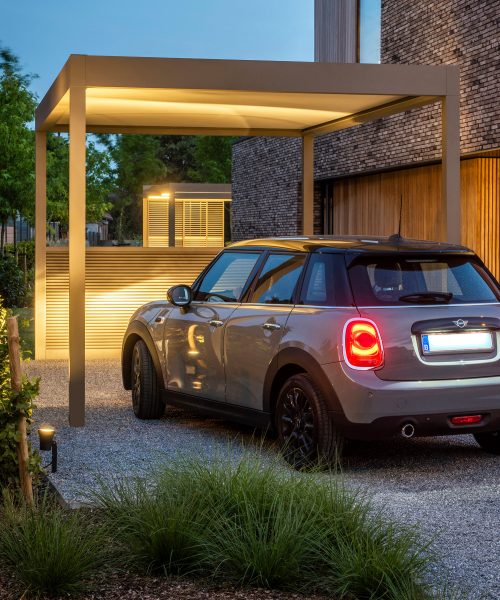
44	32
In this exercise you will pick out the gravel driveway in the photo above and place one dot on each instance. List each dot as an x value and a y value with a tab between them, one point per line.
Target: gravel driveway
446	485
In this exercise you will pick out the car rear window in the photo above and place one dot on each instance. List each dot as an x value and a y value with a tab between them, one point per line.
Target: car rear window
403	280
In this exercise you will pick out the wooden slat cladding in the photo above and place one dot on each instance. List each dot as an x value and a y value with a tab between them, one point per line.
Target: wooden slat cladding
369	205
118	281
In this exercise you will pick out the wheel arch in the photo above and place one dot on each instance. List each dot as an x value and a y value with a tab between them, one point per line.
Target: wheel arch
137	331
289	362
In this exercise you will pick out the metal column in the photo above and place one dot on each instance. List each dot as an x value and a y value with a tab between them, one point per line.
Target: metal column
77	256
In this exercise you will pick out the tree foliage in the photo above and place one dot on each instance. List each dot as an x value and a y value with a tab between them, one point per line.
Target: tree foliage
99	180
136	163
212	160
17	105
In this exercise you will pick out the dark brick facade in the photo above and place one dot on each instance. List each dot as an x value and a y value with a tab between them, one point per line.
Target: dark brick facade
266	172
266	185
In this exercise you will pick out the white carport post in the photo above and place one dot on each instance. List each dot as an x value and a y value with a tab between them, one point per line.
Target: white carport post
308	184
77	168
450	136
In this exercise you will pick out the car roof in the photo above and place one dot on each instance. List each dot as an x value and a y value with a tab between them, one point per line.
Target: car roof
361	244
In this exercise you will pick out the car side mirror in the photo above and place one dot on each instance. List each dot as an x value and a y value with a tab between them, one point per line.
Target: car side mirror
180	295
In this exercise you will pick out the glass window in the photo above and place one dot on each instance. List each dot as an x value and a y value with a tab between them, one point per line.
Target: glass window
325	282
278	279
370	20
226	278
403	280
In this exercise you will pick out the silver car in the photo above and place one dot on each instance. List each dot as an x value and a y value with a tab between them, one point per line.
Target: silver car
327	339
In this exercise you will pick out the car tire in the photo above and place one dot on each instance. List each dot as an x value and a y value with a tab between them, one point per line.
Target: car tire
306	433
146	391
490	442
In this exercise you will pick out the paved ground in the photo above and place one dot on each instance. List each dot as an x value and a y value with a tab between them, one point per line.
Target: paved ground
446	485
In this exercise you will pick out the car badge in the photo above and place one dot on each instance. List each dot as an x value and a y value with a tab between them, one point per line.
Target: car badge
461	323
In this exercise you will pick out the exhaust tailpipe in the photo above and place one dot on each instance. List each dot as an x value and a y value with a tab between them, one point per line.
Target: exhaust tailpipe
408	430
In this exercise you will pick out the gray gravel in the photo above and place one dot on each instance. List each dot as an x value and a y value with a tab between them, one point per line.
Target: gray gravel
446	485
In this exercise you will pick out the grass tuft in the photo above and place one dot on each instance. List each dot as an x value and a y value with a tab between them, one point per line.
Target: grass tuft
254	523
50	550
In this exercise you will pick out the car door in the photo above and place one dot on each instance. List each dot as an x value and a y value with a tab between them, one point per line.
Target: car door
254	330
193	335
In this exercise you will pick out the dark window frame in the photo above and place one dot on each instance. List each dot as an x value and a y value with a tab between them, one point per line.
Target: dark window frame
251	288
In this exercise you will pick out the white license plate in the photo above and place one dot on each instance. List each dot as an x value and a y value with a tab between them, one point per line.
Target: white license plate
468	341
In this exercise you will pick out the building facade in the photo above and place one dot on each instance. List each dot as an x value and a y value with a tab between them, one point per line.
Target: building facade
365	175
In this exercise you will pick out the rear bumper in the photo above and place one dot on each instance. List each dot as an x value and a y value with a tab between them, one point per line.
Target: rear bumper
424	425
368	400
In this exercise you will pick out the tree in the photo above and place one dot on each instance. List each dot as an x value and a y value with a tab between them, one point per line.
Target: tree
212	160
203	159
178	155
17	105
99	182
137	162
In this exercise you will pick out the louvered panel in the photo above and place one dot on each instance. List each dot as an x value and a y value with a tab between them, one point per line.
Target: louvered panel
157	223
118	281
203	223
179	223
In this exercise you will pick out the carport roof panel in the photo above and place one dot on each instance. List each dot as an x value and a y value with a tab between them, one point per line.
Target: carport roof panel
125	93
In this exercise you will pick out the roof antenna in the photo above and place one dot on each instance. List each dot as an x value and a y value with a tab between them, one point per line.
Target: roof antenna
396	237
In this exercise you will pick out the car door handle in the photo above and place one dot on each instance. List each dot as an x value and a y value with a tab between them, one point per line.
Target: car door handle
159	319
271	326
216	323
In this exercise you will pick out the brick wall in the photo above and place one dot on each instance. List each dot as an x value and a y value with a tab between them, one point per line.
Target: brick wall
266	186
463	32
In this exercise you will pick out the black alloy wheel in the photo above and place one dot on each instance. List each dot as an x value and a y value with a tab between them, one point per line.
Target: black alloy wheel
147	399
305	430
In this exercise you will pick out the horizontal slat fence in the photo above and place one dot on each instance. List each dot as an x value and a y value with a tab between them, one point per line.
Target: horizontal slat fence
118	281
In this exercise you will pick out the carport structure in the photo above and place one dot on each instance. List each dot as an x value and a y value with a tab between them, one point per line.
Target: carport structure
99	94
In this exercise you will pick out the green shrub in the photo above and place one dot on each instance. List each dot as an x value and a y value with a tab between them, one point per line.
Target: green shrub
23	248
255	523
11	407
24	276
52	551
13	288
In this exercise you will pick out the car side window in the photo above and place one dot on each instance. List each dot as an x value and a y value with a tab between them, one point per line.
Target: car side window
226	278
325	282
278	279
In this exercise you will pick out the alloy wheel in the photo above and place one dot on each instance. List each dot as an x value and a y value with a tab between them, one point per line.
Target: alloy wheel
296	425
136	379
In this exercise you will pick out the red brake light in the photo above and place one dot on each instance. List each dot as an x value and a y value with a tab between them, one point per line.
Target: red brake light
466	419
362	344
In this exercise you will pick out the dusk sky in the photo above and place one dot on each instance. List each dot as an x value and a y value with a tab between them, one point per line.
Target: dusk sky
43	33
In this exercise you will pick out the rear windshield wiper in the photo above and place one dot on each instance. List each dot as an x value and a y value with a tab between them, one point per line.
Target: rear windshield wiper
427	297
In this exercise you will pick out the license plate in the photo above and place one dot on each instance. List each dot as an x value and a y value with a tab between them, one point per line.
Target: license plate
446	343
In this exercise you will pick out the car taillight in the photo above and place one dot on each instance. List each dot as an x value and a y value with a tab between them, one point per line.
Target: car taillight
362	344
466	419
